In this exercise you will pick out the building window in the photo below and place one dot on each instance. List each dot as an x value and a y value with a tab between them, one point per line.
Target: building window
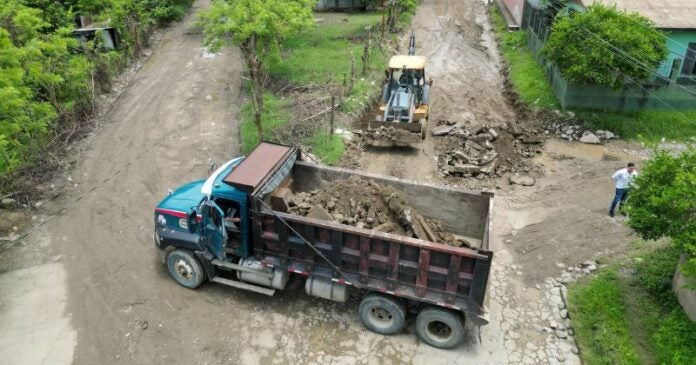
689	67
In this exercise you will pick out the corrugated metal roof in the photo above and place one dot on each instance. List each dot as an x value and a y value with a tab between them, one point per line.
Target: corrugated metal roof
667	14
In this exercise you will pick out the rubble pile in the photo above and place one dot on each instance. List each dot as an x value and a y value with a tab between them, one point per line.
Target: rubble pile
476	154
573	132
389	136
366	204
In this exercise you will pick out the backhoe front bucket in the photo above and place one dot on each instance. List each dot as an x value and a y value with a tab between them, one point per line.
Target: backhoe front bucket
394	134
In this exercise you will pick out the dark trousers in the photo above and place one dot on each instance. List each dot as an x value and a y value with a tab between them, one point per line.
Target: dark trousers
619	198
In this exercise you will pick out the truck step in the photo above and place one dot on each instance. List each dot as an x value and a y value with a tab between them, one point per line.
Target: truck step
233	266
243	285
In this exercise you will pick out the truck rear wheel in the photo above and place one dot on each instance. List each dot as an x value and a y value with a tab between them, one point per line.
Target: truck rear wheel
382	314
185	269
440	328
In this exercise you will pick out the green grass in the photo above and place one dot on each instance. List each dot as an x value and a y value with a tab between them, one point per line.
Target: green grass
649	126
275	115
326	147
633	319
525	74
323	55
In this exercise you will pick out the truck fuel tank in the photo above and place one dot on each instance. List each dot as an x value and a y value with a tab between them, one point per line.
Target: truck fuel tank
261	275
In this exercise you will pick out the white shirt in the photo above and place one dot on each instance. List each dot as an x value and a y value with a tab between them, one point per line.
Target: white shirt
623	178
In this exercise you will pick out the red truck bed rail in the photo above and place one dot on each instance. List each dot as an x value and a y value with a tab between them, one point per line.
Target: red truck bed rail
448	276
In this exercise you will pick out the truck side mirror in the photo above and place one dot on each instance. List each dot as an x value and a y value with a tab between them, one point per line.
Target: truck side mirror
192	221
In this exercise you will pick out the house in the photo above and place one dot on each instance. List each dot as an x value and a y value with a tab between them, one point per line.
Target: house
673	84
342	5
677	18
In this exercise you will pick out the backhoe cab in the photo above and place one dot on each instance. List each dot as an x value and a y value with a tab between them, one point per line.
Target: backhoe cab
403	110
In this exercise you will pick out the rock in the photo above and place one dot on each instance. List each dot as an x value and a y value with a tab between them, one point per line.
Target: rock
564	313
574	350
7	202
489	168
531	140
589	138
318	212
561	333
523	180
443	130
462	156
609	135
493	133
450	122
482	137
466	168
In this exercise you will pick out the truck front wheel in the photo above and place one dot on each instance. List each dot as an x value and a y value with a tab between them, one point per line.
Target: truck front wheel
185	269
440	328
382	314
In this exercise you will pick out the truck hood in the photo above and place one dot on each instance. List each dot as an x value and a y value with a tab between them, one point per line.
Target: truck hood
184	197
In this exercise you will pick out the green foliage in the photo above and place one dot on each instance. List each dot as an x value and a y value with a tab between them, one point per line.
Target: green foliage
601	322
526	75
257	27
649	125
323	55
655	273
623	319
46	77
275	115
663	203
267	22
327	147
584	46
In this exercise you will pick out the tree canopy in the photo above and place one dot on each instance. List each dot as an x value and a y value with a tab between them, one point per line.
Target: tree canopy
605	46
47	77
257	27
663	204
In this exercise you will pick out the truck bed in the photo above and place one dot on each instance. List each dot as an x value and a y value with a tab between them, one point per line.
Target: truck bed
454	277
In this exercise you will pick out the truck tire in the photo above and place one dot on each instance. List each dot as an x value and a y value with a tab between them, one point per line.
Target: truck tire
185	269
382	314
440	328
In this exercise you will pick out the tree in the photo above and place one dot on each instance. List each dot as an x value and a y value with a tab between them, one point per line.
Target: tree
257	27
605	46
663	204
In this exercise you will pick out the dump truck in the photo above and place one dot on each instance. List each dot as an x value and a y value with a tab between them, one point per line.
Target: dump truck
234	229
404	105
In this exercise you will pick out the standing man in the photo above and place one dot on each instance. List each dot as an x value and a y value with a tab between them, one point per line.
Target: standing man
623	179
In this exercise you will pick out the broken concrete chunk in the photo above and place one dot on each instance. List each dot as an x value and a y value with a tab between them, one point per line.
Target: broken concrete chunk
466	168
475	146
482	137
318	212
523	180
531	140
463	157
589	138
493	133
443	130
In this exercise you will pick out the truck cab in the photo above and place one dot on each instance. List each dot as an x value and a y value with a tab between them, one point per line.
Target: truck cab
205	216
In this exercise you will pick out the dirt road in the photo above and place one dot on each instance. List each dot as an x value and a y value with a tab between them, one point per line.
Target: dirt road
463	62
178	116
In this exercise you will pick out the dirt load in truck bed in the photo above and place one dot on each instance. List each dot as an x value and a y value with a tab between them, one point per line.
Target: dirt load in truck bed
366	204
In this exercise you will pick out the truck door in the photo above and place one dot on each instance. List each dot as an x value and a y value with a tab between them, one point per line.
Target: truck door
214	229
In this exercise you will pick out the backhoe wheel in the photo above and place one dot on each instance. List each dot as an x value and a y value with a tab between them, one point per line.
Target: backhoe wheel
440	328
185	269
382	314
